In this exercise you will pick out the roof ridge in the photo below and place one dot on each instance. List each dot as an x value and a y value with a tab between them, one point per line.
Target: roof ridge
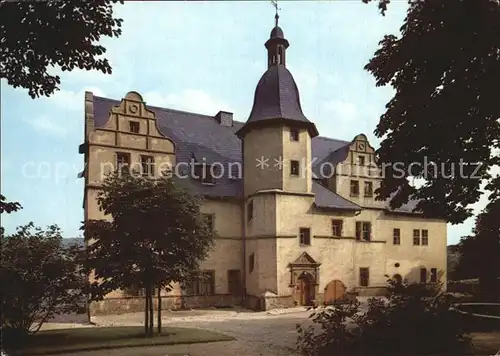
160	108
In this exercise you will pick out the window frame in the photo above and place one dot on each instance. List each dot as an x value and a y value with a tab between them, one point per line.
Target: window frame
368	194
396	238
250	208
362	231
123	167
134	127
340	226
416	237
294	135
364	275
251	262
210	216
423	275
354	183
149	165
424	237
302	237
294	168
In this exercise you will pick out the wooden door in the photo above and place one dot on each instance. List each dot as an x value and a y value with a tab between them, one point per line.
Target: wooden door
334	291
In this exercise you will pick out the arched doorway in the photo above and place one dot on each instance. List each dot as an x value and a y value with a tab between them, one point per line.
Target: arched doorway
397	278
334	292
306	289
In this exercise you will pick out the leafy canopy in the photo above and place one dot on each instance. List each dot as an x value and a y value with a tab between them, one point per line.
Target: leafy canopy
156	234
445	69
40	277
38	36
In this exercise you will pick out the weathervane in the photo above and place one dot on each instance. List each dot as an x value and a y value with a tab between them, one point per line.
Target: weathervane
275	4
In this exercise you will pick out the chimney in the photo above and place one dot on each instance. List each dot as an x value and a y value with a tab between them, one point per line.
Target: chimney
224	118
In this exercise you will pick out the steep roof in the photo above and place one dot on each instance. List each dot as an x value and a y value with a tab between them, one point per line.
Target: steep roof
277	99
203	137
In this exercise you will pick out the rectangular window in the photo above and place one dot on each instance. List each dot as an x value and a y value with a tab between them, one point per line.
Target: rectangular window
305	236
209	220
251	263
234	286
250	211
434	278
361	160
363	230
423	275
134	126
368	189
123	162
203	285
354	188
396	237
425	237
337	227
294	134
416	237
364	277
147	163
294	168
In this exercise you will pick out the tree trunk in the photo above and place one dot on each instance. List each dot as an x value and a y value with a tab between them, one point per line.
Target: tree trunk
151	310
159	310
146	312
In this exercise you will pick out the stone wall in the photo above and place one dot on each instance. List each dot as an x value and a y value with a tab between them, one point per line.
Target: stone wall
111	306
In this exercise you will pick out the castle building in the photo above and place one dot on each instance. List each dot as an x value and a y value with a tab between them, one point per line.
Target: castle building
296	218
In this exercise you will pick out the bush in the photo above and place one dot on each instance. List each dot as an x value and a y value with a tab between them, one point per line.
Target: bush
414	320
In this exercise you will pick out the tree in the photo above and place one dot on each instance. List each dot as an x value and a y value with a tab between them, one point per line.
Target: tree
40	277
156	236
36	36
480	253
8	207
409	322
444	68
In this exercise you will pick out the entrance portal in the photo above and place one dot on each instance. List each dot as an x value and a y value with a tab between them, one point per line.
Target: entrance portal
306	289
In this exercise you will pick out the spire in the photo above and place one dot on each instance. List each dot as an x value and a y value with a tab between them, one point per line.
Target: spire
277	44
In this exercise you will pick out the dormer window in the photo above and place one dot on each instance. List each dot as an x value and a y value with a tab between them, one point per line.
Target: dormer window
134	126
204	173
294	135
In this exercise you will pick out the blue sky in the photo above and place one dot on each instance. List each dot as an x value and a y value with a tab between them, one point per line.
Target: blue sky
201	57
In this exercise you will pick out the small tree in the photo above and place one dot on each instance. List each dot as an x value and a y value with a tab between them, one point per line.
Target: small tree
40	277
156	236
409	322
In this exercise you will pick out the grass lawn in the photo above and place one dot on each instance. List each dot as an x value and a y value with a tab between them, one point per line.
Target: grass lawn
86	339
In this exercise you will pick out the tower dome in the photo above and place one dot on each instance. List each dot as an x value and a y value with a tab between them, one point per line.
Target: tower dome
277	99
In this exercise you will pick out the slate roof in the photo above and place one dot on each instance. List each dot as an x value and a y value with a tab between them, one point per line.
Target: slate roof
277	98
204	138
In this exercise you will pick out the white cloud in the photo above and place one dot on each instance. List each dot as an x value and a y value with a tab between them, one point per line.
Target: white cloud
70	100
45	124
339	110
192	100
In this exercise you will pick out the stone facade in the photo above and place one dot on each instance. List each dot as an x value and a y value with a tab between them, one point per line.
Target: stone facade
286	247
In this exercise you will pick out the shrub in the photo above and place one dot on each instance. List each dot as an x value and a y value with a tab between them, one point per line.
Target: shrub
413	320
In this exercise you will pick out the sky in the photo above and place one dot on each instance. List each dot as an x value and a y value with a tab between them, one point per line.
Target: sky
201	57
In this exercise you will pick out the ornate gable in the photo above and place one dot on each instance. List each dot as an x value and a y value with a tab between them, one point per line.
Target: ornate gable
304	260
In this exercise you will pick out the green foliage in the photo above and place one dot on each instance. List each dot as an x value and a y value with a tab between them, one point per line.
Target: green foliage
37	36
8	207
157	236
445	68
413	320
480	253
40	277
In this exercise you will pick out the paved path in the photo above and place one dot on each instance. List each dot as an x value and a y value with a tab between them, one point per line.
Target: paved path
257	333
